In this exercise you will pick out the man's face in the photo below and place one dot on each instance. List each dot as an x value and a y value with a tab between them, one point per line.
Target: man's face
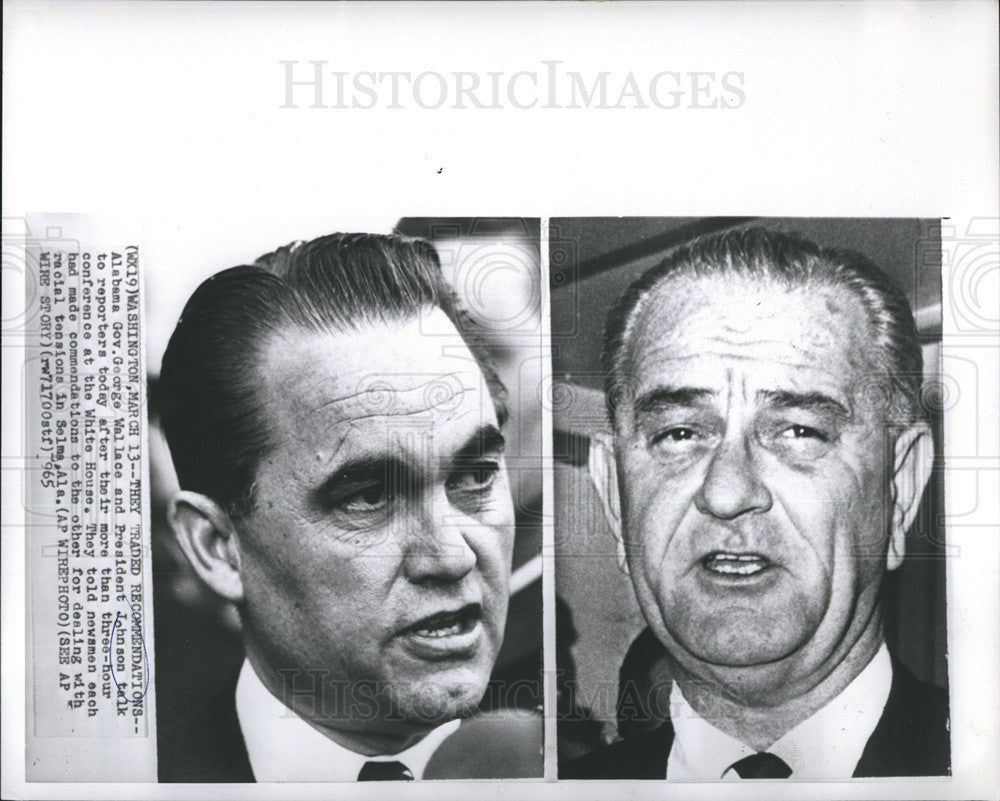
753	483
379	547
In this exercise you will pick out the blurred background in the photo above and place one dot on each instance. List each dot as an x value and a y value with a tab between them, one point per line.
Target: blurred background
600	637
493	264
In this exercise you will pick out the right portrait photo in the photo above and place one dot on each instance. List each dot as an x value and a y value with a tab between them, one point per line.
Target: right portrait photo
749	541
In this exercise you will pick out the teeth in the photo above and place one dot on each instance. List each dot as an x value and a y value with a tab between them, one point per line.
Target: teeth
447	624
742	570
446	631
736	564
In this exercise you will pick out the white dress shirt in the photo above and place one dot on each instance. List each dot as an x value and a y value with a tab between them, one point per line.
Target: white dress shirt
282	747
825	746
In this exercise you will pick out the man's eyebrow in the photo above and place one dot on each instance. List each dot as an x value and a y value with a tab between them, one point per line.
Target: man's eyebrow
809	401
665	397
484	440
356	474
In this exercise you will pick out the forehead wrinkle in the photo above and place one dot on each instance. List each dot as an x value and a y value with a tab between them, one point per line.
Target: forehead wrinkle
391	416
720	345
400	443
657	354
741	382
736	391
305	413
457	394
361	393
427	412
689	313
309	425
740	385
314	384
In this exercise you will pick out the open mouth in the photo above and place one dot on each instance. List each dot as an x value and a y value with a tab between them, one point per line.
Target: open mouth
446	636
737	565
447	624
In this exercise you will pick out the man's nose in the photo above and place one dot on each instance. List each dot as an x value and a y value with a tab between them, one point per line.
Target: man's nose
732	486
439	550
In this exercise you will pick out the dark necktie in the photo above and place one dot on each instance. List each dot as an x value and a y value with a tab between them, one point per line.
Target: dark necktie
385	772
762	765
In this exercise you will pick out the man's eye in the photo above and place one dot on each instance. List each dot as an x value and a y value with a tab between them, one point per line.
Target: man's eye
798	441
476	478
796	431
675	435
371	498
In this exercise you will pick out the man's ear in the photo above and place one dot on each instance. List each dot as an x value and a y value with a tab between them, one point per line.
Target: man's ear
208	538
913	459
604	473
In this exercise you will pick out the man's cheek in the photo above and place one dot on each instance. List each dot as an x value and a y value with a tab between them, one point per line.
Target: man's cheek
636	490
657	509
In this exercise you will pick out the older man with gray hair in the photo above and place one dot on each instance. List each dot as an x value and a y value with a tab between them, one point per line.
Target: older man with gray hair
768	454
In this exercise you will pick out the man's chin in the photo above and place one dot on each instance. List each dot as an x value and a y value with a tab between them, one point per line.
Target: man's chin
732	630
746	645
432	702
739	655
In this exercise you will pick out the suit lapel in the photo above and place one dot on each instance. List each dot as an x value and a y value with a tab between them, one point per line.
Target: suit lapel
208	745
650	753
911	738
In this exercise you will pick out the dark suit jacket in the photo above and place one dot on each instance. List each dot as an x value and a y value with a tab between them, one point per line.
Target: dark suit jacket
206	746
911	739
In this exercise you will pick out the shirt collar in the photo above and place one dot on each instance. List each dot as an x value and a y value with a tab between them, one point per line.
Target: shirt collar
825	746
282	747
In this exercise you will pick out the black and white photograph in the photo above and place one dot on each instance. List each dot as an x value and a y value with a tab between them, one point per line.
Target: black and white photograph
494	400
747	468
346	501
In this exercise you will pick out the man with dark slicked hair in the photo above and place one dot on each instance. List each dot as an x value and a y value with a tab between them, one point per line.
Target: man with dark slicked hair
768	454
336	430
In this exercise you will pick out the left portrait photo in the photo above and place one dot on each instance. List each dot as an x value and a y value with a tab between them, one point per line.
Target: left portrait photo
345	449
